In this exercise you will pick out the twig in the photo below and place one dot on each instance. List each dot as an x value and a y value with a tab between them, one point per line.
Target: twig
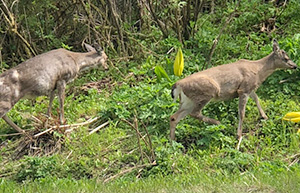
293	156
124	120
36	119
42	133
99	127
11	134
150	143
170	50
293	162
128	170
137	135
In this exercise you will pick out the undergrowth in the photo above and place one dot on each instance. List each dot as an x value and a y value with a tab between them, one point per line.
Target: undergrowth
134	152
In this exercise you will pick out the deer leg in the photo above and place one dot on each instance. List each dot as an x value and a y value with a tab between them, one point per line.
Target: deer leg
12	124
254	96
61	87
5	106
174	120
185	108
196	113
50	103
243	98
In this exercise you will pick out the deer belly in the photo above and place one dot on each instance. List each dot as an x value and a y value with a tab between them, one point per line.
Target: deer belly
40	88
225	96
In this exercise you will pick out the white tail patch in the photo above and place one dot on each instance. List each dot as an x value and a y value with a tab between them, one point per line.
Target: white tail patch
176	92
186	102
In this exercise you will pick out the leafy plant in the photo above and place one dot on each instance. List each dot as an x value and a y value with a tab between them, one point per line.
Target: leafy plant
36	167
161	73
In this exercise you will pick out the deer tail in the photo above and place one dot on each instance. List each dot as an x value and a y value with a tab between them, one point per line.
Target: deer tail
175	91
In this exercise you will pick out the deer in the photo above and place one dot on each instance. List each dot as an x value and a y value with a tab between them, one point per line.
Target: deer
43	74
239	79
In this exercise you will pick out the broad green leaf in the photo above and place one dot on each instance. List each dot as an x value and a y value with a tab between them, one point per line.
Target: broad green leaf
161	73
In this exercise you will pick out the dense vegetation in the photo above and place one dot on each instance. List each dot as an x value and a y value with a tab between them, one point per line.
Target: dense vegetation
132	152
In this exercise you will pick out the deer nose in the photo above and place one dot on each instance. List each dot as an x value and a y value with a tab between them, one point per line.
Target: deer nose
293	65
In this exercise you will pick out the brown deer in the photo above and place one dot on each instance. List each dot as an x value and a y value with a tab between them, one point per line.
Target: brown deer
43	74
239	79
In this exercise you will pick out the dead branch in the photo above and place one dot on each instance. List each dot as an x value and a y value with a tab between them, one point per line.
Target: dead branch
137	135
128	171
124	120
71	127
99	127
150	143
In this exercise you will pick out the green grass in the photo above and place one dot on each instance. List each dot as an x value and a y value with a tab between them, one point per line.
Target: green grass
203	159
202	181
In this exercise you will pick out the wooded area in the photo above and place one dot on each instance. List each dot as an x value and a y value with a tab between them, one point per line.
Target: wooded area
123	27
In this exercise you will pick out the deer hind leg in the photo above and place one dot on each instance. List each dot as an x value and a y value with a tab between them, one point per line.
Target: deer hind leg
61	87
254	96
12	124
5	106
186	107
196	113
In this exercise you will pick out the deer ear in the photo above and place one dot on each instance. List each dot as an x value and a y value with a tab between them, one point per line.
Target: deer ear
89	48
275	46
98	48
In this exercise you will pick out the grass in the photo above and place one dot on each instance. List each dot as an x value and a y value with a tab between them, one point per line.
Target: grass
202	181
138	106
204	158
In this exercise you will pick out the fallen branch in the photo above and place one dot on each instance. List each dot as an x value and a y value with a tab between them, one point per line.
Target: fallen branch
71	127
128	171
99	127
11	134
42	133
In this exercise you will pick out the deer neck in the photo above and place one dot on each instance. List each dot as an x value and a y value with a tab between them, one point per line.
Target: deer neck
85	60
265	67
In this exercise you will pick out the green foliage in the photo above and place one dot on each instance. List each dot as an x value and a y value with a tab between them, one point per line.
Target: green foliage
204	157
161	73
36	167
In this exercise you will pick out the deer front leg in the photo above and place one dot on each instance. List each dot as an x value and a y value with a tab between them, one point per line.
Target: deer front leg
254	96
243	98
61	87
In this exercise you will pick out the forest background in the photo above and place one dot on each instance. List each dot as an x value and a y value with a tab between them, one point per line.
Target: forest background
132	105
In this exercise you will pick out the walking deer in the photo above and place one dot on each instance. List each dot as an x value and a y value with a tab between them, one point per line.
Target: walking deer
43	74
239	79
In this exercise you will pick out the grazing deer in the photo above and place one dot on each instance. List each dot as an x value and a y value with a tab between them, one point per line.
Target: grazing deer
239	79
43	74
